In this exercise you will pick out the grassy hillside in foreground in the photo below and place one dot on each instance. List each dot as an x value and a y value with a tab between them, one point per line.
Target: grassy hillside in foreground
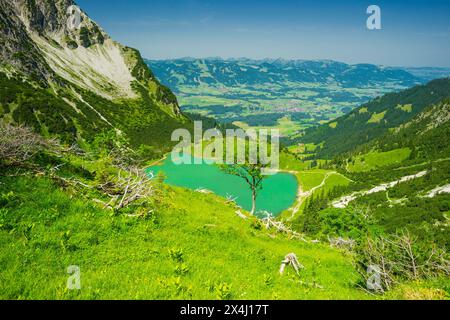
194	246
85	201
170	244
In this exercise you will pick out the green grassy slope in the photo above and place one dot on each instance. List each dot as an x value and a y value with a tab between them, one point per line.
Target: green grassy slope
420	144
193	247
223	256
413	144
410	208
374	159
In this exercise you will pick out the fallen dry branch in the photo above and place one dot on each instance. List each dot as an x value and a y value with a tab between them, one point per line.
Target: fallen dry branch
278	226
241	215
342	243
129	186
73	149
71	181
307	284
291	260
204	191
231	199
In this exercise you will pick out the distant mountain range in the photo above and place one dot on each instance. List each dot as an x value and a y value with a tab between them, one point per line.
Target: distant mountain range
289	94
428	73
232	72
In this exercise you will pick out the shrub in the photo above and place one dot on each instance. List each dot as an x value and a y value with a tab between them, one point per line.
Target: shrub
18	144
401	257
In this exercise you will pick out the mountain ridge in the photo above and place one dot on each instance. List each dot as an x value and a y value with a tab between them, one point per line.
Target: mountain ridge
309	70
86	71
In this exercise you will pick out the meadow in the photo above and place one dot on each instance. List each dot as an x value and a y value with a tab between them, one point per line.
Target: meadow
376	159
193	246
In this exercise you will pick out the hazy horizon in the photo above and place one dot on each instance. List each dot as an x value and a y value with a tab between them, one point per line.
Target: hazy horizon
293	59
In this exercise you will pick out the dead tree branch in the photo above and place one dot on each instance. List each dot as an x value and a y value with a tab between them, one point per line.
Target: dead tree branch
271	224
291	260
129	186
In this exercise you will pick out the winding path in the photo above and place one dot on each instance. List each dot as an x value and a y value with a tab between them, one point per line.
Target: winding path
303	195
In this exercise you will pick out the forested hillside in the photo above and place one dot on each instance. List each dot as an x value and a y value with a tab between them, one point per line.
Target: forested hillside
374	119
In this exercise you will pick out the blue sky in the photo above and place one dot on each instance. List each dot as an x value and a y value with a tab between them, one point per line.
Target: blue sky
414	33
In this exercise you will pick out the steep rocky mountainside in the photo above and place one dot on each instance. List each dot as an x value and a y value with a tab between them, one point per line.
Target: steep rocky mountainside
96	83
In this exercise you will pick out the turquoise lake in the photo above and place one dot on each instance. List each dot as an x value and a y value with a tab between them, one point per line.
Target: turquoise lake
278	193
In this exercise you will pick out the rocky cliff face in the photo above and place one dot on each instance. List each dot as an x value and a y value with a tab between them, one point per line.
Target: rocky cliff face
54	44
25	21
17	50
